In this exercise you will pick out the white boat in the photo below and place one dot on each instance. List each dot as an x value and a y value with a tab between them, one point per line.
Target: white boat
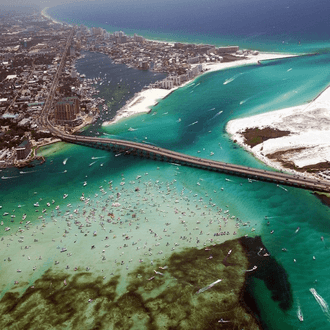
85	183
65	196
6	213
1	223
300	314
7	228
36	204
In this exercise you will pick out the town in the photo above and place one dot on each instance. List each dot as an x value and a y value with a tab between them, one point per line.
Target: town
34	49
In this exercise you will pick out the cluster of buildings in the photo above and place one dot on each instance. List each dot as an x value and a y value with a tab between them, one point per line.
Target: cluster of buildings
31	49
181	61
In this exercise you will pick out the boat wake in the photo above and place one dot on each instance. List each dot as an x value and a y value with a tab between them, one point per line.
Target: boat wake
194	123
323	304
8	177
251	97
300	314
22	172
227	81
98	157
211	109
216	115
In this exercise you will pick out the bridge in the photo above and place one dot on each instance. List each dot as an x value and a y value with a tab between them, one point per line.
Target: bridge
162	154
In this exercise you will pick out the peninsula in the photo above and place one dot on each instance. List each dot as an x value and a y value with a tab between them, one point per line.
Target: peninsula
295	139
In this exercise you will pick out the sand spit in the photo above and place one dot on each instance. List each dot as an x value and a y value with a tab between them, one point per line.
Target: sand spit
305	148
140	103
143	102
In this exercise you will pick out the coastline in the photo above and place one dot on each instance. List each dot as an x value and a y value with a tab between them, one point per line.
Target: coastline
45	14
306	147
143	101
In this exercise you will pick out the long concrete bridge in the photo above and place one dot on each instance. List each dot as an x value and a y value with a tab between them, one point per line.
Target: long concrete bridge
161	154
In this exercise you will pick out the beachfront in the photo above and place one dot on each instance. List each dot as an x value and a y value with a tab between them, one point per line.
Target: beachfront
306	136
143	101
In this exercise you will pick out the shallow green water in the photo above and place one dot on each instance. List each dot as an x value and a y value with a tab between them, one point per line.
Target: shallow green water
203	107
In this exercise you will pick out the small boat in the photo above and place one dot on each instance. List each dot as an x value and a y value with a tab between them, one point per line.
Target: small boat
85	183
36	204
63	249
7	228
65	196
1	223
6	213
300	314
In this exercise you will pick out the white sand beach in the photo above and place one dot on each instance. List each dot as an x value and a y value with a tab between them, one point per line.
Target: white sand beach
143	102
308	142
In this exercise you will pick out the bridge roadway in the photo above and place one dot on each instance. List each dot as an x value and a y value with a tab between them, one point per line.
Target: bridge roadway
150	151
157	153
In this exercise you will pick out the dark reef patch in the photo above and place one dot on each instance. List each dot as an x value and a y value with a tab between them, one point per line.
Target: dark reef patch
268	270
184	292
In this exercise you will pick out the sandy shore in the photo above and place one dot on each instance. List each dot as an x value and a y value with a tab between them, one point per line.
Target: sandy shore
308	142
143	102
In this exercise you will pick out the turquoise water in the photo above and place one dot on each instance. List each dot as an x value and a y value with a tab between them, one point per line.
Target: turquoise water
191	120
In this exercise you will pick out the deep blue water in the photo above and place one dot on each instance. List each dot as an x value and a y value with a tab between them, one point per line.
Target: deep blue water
283	25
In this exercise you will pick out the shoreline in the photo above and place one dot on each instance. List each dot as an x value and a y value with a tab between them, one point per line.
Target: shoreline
150	97
304	150
46	15
143	101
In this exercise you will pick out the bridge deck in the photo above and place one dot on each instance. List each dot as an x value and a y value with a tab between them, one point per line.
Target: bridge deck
150	151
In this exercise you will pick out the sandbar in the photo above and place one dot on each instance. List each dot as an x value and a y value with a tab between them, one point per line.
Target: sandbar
307	146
